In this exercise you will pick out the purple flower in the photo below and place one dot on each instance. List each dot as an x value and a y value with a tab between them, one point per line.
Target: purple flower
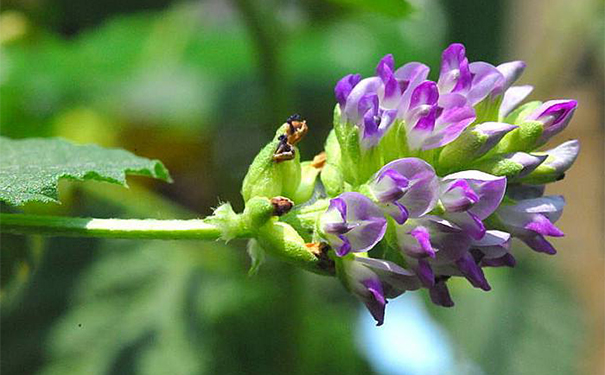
554	116
486	79
376	121
469	197
493	250
455	74
532	219
352	223
375	280
474	81
405	188
430	241
454	114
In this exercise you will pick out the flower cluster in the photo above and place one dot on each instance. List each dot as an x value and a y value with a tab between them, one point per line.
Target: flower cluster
429	180
421	181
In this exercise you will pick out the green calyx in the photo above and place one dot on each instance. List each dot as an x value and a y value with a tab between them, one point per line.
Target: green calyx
500	166
269	176
350	150
458	154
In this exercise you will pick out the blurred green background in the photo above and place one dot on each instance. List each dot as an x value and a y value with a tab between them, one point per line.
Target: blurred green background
202	86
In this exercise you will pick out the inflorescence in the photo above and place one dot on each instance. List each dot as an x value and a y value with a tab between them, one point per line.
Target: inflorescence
423	181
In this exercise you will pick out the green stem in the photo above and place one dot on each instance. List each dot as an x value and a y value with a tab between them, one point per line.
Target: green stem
108	228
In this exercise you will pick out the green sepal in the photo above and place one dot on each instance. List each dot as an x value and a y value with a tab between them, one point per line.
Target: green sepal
306	186
305	219
518	115
282	241
393	144
230	223
269	178
499	165
258	211
350	150
458	154
487	110
524	138
544	174
331	176
332	180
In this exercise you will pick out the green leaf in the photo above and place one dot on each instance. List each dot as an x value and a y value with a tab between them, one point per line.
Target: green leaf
30	169
393	8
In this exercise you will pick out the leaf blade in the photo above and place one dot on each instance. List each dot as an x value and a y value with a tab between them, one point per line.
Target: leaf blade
30	169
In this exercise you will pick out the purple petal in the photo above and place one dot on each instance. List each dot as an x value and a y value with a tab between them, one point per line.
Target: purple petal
425	273
511	71
365	87
397	211
423	238
395	279
532	218
494	244
352	223
422	191
455	74
374	300
344	87
385	68
390	185
490	190
529	162
409	77
458	196
494	132
470	223
540	244
540	224
512	98
473	273
507	260
448	126
563	156
425	94
440	295
554	115
484	81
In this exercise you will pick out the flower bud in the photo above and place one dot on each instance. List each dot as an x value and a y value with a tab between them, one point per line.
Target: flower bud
275	170
472	144
514	165
559	160
537	124
554	116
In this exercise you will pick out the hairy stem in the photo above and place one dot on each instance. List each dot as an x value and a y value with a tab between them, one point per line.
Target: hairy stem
108	228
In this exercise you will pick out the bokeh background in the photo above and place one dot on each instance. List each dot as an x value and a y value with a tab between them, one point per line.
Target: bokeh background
201	85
